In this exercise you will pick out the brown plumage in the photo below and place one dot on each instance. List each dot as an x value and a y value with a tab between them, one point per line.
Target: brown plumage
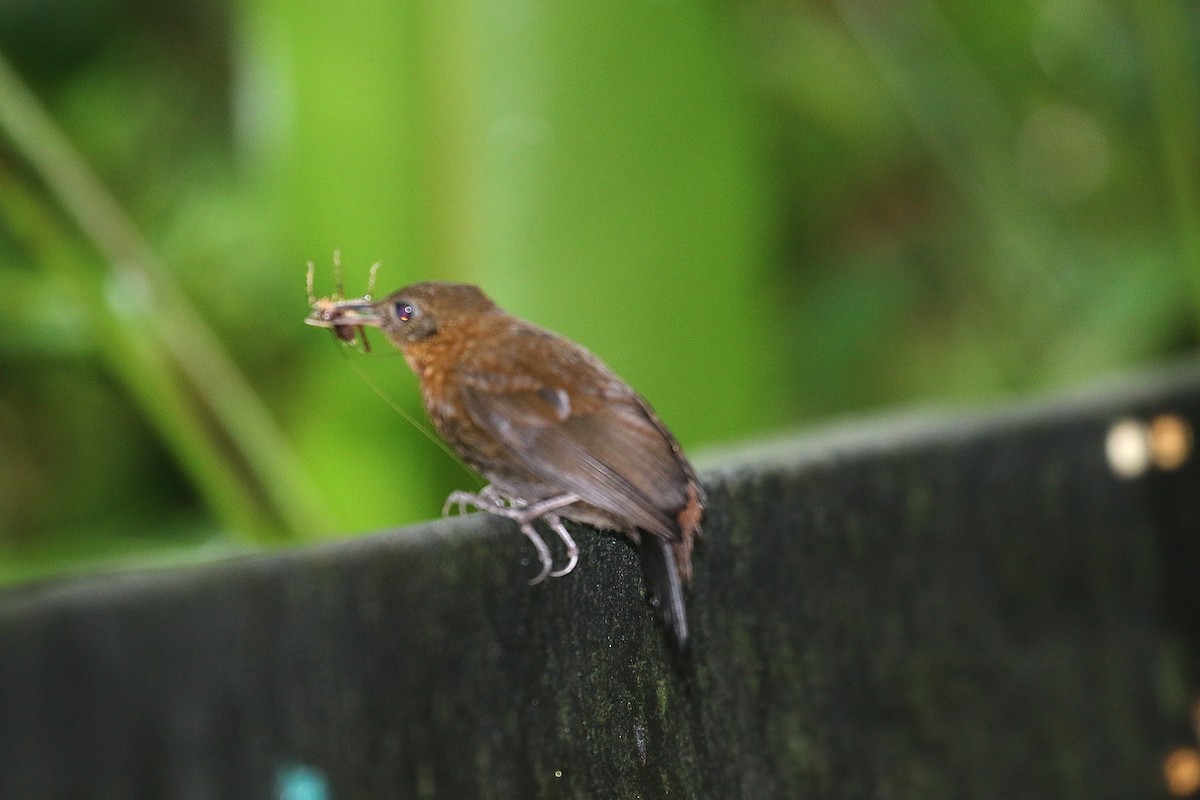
555	432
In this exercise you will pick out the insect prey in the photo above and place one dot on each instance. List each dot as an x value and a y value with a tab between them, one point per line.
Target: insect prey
327	307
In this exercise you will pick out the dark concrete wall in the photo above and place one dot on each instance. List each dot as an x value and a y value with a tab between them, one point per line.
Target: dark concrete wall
947	608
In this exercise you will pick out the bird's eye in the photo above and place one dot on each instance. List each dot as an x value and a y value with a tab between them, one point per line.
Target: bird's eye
404	311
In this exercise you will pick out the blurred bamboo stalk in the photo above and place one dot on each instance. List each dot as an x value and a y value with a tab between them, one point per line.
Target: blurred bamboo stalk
156	341
1166	35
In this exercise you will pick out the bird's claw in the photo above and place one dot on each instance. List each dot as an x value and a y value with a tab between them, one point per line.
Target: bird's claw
457	499
542	550
556	525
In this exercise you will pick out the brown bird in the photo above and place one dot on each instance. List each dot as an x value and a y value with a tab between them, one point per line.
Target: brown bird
555	432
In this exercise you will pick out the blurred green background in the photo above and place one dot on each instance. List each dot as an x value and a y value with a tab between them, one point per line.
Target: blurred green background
760	213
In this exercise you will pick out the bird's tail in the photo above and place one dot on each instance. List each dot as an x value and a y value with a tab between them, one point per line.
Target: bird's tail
666	589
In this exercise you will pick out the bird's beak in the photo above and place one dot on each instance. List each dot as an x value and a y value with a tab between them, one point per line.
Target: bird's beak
339	313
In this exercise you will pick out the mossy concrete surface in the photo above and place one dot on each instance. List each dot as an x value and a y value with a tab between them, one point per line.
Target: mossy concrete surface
936	607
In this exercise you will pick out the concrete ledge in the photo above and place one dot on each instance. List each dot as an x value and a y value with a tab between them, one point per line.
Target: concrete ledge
972	607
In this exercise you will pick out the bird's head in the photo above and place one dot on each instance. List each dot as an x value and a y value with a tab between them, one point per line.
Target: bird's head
413	314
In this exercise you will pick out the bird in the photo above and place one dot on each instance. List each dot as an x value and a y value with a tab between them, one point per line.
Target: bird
555	432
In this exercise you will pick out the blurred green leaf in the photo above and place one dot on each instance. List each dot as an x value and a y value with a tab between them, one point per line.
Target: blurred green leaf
757	212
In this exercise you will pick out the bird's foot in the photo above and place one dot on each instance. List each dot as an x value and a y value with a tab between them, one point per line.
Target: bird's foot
486	499
490	500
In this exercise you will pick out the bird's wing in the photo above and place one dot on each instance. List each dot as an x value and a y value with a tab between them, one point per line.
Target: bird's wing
601	443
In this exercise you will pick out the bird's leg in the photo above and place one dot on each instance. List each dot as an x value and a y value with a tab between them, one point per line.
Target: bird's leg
542	508
556	525
490	500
